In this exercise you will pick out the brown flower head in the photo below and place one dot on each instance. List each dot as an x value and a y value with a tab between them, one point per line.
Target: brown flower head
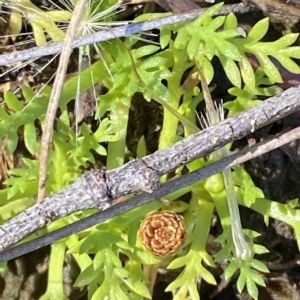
162	232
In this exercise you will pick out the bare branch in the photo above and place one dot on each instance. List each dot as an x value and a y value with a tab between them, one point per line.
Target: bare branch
97	189
117	32
169	187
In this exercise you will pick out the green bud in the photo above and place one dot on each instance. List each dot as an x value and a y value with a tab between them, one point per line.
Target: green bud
214	184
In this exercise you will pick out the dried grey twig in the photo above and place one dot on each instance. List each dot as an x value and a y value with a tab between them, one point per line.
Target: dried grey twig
97	189
169	187
117	32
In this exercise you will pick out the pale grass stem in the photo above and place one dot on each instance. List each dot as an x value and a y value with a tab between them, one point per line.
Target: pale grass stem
214	116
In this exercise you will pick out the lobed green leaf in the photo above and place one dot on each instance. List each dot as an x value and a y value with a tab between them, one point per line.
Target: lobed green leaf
228	49
182	39
258	265
251	287
12	101
258	31
87	276
132	282
231	269
144	51
164	37
231	70
231	22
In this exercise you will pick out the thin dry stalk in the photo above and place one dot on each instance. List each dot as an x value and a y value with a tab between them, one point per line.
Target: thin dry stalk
55	95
